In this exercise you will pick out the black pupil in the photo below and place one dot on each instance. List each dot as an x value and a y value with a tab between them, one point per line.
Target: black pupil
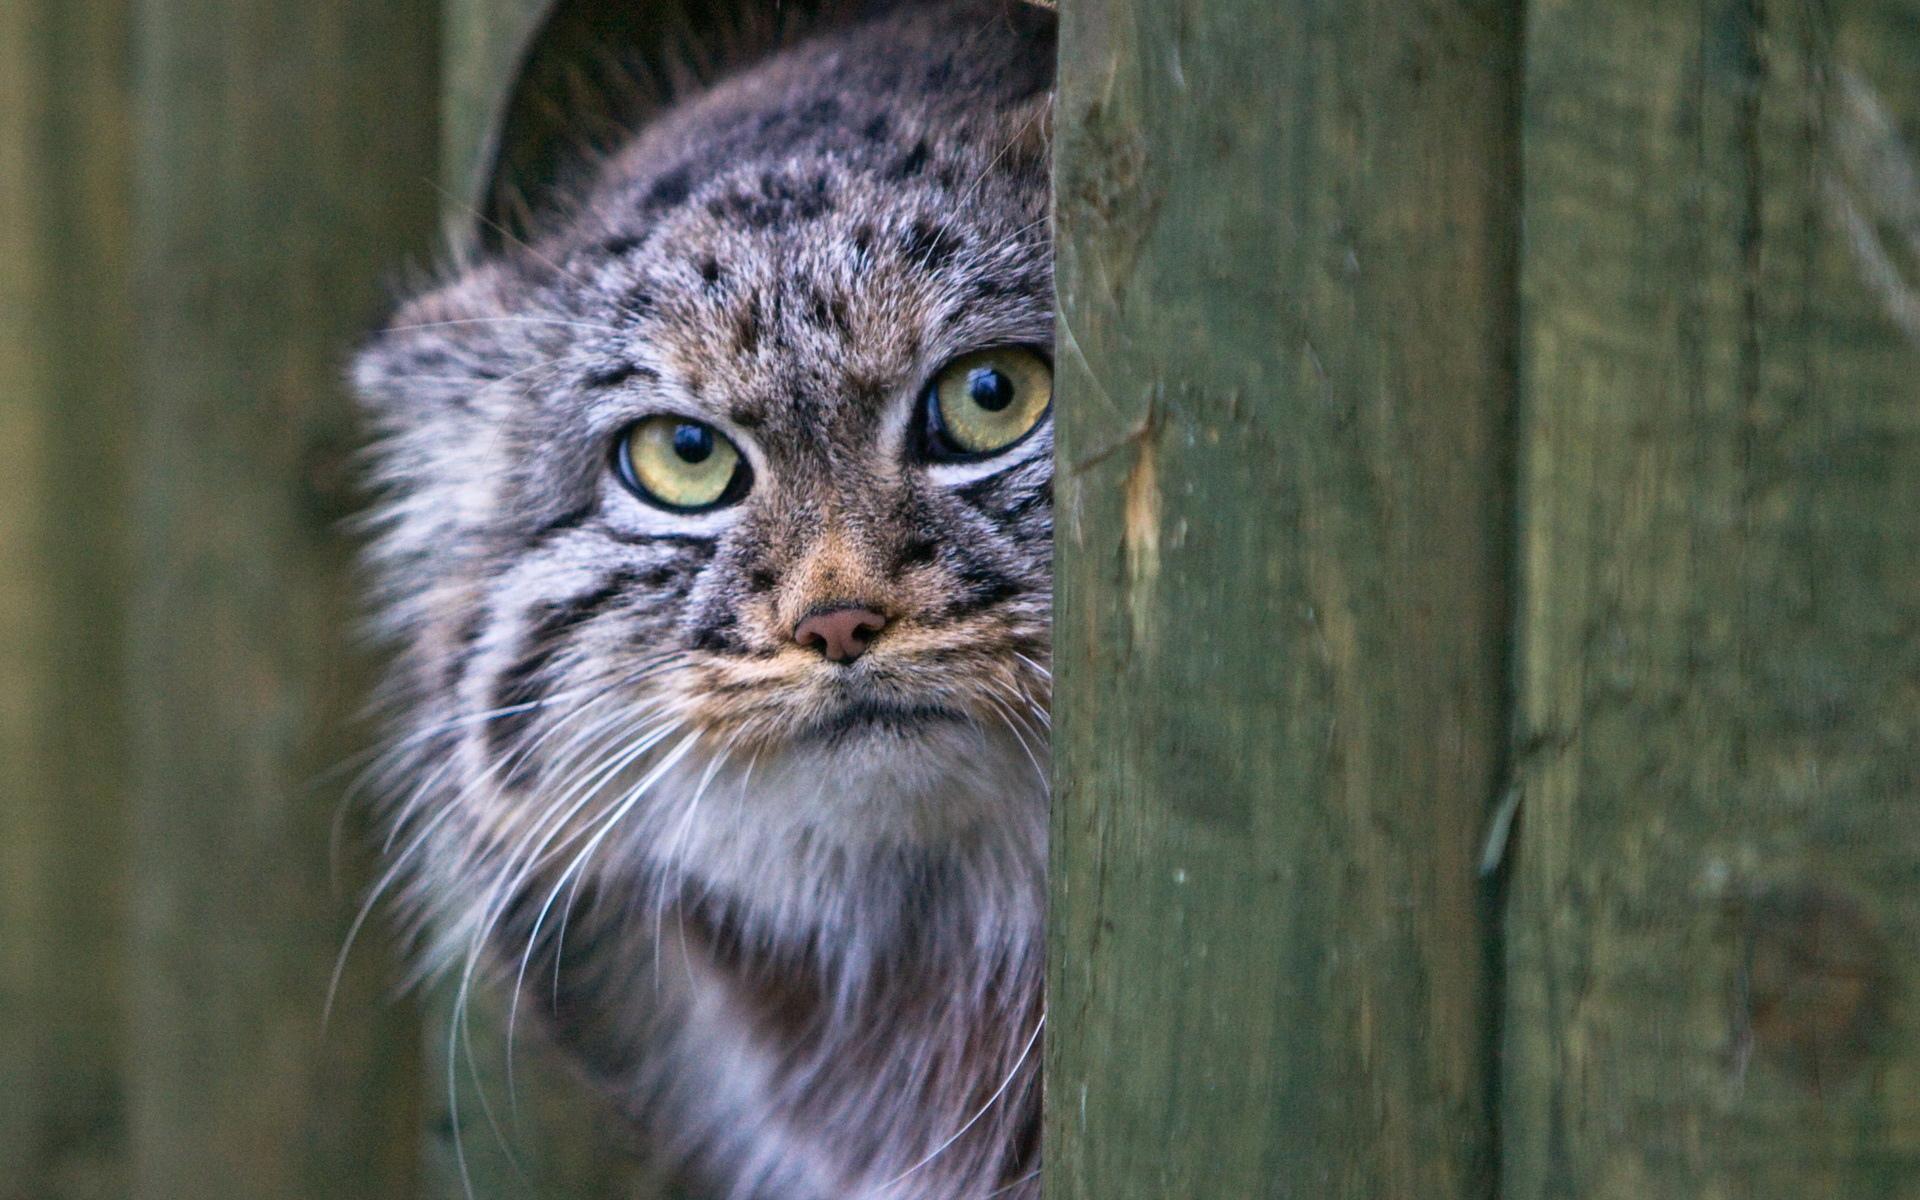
693	443
989	389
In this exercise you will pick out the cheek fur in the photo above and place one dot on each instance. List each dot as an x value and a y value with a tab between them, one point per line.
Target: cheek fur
603	722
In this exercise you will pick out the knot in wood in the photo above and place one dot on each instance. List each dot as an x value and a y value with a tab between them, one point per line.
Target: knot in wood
1817	983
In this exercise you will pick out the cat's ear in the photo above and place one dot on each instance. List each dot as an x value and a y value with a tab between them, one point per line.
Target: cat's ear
440	350
592	76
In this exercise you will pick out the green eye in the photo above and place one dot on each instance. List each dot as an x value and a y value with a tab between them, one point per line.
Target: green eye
680	464
982	403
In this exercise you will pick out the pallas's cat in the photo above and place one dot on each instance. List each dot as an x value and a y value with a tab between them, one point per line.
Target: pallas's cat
715	539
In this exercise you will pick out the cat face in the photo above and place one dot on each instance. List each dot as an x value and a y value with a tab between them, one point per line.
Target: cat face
725	507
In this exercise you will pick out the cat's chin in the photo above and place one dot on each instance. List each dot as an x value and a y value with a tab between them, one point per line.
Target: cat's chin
883	719
904	772
776	827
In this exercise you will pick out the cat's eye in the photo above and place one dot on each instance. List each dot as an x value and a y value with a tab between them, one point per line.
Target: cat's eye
984	402
680	464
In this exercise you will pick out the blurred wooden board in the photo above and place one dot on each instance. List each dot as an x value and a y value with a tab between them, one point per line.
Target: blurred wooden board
1716	900
66	379
279	151
1284	385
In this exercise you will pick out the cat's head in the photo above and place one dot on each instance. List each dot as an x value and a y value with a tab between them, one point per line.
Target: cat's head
726	504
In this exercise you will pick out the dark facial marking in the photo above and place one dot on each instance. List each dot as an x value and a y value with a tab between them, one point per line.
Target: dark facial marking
610	374
746	326
555	619
984	494
816	308
716	635
778	202
916	553
910	164
1040	497
930	245
985	588
657	577
987	289
524	682
704	541
464	640
669	191
519	688
571	519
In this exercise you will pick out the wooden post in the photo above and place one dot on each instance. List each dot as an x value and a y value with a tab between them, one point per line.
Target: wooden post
65	375
279	174
1716	904
1284	379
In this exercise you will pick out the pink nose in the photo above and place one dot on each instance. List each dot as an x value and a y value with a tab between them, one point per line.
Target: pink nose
842	634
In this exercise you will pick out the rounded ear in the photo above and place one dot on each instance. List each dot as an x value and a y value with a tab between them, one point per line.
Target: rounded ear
596	72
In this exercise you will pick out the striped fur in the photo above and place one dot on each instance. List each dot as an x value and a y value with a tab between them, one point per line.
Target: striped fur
787	913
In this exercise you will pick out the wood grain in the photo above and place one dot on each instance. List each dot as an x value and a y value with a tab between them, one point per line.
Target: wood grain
278	176
65	376
1715	910
1285	375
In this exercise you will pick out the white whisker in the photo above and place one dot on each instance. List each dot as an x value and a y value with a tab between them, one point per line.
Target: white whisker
555	321
959	1133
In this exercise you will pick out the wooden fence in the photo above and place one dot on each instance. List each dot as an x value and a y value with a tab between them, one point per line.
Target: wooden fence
1488	630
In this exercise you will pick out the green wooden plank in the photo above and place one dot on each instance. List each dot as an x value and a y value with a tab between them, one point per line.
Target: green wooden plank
64	436
484	45
1716	899
281	151
1285	278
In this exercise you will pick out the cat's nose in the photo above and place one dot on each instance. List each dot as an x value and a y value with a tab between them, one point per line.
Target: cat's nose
842	634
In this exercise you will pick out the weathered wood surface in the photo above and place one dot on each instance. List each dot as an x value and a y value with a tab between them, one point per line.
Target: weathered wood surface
1716	898
280	173
65	376
1284	383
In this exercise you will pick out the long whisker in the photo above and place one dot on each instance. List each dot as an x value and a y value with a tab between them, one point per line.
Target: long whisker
459	1034
1006	718
605	824
673	859
982	1111
577	799
588	325
459	1028
398	863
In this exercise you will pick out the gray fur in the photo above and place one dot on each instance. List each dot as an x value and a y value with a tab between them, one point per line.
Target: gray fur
787	913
